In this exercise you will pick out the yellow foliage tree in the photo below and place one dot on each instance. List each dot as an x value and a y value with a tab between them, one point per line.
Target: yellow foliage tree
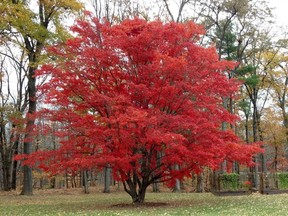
29	26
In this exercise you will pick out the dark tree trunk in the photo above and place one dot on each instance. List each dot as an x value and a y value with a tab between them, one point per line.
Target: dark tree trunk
5	156
199	188
66	179
215	181
14	175
85	182
53	182
136	186
156	184
74	181
6	172
137	192
156	187
236	167
27	170
15	164
107	179
254	170
276	167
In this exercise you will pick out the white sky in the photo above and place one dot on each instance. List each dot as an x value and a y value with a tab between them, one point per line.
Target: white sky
281	11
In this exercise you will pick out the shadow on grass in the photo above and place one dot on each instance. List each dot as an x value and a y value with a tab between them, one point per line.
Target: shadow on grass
136	205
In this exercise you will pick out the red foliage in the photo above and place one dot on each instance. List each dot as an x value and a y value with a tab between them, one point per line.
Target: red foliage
141	97
248	183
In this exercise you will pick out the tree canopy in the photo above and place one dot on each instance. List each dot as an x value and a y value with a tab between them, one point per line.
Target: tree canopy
140	102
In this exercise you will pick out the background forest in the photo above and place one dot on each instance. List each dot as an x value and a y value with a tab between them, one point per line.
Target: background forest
242	31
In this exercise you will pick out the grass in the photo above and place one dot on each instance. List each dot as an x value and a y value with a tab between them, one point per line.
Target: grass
73	202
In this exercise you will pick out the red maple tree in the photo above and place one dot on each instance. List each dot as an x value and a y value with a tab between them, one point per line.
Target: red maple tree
141	97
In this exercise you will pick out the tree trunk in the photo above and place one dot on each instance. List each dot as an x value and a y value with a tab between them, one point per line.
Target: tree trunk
85	181
34	51
254	175
156	187
236	167
138	196
177	187
66	180
275	167
199	188
27	182
27	170
107	179
215	180
14	175
262	156
53	182
6	173
156	184
5	156
15	164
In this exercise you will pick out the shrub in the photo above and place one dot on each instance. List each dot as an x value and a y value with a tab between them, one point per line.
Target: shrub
283	180
229	181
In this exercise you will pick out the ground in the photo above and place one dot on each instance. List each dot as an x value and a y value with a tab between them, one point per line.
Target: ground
75	202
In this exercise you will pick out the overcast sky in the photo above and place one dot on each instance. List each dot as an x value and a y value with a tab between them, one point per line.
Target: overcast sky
281	11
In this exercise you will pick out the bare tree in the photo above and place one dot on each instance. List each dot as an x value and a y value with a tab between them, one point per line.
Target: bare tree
116	11
13	106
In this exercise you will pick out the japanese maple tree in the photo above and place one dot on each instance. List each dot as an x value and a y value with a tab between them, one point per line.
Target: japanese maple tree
142	97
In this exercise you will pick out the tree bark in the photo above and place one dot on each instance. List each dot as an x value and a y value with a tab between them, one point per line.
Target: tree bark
156	187
6	173
177	187
255	169
27	149
15	164
199	188
138	196
275	167
107	179
85	181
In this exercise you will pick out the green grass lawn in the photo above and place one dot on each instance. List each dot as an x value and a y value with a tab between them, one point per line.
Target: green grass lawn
69	202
